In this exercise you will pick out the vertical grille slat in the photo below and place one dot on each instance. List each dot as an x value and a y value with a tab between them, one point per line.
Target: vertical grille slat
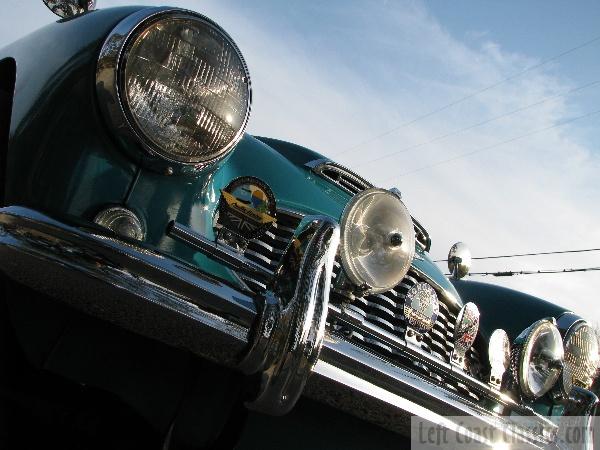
268	249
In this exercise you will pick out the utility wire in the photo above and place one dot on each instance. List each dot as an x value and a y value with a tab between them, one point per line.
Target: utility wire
467	97
517	255
511	273
478	124
493	146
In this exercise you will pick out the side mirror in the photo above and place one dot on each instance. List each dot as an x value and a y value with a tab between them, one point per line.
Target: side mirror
70	8
459	260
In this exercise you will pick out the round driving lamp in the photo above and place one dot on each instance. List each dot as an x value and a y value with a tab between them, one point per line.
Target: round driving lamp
122	222
459	260
539	358
581	354
377	240
174	82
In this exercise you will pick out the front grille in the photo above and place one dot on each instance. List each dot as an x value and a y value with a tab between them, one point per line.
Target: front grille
268	249
353	184
386	312
382	311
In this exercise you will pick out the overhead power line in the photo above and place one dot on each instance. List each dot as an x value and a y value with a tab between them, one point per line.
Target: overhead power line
478	124
511	273
493	146
517	255
467	97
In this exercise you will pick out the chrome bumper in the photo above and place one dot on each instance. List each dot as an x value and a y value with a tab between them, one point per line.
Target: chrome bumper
281	335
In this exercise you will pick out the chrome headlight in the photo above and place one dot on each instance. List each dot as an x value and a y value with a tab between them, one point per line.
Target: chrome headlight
540	354
377	240
176	83
581	354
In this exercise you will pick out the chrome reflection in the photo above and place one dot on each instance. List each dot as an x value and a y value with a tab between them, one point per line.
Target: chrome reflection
290	331
459	260
421	307
465	332
499	357
126	284
353	380
70	8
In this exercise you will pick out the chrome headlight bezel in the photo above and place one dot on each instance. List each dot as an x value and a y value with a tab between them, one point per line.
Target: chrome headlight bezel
110	78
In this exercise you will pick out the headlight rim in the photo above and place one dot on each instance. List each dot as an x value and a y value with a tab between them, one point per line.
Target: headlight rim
110	89
343	222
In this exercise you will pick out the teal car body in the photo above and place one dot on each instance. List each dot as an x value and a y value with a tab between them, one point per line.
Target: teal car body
63	160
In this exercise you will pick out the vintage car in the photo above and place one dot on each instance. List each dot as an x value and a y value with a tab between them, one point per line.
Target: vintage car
170	281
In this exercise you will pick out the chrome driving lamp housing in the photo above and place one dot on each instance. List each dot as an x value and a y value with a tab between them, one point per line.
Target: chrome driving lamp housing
459	260
377	240
537	359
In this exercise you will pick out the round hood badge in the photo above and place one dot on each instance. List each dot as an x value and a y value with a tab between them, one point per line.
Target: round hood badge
246	208
422	307
465	331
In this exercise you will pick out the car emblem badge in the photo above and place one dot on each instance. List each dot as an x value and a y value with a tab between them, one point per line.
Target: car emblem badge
421	307
465	332
246	210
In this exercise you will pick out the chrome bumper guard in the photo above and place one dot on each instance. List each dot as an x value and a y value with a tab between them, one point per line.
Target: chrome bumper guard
281	335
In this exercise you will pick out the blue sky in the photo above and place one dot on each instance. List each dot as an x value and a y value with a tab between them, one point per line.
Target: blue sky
332	75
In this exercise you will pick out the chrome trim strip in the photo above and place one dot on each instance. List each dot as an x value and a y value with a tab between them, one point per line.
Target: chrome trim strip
290	212
283	228
221	253
276	238
263	258
363	386
369	387
126	284
319	165
267	247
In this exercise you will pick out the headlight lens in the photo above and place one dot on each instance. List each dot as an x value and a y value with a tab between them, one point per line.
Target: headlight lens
541	358
186	89
378	240
581	354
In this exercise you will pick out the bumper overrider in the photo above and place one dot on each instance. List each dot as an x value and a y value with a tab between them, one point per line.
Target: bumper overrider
281	336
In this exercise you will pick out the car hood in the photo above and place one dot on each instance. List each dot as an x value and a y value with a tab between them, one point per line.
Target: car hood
282	165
